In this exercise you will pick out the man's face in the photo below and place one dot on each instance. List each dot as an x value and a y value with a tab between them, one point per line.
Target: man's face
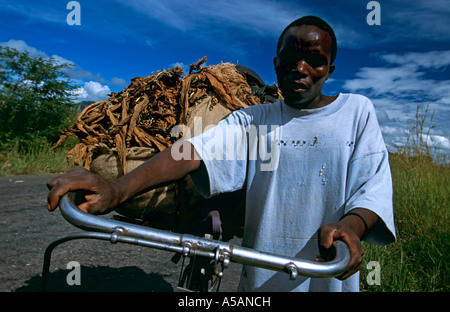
303	66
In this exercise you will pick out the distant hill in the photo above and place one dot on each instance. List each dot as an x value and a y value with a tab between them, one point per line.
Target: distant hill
86	103
83	104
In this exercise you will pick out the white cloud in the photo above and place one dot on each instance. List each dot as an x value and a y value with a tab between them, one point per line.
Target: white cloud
92	91
197	14
75	72
183	66
118	82
23	46
62	60
438	141
80	94
431	59
397	89
407	79
389	130
416	20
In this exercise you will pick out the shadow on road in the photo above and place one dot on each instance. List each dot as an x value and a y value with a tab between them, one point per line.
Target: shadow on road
102	279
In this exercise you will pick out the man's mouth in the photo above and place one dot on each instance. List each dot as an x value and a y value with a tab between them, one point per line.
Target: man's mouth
298	87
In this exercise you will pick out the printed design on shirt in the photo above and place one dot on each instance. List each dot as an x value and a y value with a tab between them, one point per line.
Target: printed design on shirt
297	143
317	145
324	179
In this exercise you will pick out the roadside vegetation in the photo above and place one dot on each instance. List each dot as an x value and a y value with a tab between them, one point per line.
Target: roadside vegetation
35	102
419	259
34	158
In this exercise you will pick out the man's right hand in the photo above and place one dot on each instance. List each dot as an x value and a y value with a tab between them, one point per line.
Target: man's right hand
101	195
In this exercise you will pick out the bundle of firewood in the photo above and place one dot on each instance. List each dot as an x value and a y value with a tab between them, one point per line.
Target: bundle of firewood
144	113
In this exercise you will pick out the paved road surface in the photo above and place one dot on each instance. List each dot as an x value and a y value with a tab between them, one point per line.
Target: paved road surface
26	229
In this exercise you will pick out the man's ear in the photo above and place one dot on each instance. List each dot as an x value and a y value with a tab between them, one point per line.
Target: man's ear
331	70
275	61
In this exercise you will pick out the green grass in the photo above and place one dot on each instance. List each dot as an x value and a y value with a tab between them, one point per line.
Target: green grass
419	260
36	158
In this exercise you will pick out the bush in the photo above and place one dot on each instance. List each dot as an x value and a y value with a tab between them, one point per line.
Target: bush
35	98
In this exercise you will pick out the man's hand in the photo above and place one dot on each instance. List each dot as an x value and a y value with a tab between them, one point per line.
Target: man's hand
350	229
329	234
101	195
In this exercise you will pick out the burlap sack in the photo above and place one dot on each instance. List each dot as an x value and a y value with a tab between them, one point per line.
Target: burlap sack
173	206
156	206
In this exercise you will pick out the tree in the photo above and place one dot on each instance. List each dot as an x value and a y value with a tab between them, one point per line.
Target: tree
35	96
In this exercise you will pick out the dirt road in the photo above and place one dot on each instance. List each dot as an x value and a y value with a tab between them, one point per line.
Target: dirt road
26	229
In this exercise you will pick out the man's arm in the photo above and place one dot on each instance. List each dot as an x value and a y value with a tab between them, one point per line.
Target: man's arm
104	195
349	229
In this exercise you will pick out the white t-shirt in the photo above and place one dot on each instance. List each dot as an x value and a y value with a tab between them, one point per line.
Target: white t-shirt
301	169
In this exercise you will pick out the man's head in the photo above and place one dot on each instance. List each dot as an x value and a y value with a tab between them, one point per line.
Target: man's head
305	55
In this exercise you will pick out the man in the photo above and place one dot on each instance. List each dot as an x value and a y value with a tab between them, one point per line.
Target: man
327	178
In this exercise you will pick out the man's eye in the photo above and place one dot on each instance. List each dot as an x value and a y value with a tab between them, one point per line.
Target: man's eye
290	57
315	60
287	66
289	60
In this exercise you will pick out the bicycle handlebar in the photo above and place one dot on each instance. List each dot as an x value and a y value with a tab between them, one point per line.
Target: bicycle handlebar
190	245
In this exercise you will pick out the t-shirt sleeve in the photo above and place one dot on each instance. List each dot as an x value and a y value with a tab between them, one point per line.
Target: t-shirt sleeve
223	152
369	181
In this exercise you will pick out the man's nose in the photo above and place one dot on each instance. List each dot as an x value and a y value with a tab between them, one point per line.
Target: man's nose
302	67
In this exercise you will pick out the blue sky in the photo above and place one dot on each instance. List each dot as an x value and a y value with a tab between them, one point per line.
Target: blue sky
399	64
